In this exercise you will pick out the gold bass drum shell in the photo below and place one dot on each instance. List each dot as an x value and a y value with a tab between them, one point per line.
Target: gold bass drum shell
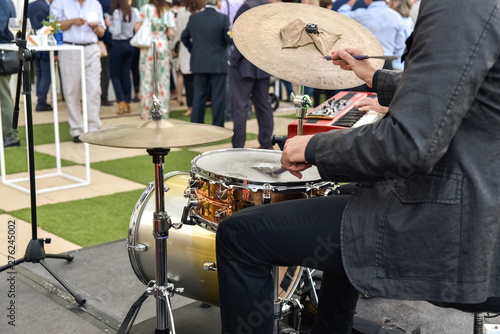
189	249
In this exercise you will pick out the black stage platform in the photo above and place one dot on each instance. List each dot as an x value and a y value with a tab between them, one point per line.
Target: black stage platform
104	277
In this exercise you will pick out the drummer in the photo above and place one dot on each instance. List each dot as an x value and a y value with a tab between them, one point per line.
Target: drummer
424	221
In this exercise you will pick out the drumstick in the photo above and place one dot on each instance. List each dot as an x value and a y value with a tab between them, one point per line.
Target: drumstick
279	170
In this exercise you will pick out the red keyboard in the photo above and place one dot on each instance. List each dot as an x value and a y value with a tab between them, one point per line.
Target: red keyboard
336	113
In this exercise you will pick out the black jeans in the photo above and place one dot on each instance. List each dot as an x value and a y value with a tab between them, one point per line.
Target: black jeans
303	232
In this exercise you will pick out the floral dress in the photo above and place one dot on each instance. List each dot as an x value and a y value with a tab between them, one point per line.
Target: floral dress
159	27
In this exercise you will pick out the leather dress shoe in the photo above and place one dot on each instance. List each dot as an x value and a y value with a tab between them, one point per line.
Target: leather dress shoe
77	140
43	107
106	103
10	143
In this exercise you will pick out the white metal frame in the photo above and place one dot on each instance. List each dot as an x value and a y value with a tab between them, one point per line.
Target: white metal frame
78	181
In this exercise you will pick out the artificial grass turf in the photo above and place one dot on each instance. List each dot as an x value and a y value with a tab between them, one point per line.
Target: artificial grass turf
87	222
17	160
44	133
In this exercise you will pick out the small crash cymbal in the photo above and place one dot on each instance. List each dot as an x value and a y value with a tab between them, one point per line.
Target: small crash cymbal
256	34
164	133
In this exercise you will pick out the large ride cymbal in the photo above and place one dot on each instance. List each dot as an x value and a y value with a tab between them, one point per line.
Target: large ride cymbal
165	133
256	34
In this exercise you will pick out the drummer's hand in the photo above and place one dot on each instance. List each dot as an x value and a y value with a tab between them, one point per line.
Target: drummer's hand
364	69
293	158
370	103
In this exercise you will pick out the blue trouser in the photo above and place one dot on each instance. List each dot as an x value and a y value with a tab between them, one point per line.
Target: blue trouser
120	64
242	89
303	232
42	71
202	84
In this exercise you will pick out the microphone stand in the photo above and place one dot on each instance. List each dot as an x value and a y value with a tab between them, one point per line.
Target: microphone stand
35	251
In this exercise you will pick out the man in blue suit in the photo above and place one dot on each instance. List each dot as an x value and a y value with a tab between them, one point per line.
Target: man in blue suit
206	37
37	12
249	82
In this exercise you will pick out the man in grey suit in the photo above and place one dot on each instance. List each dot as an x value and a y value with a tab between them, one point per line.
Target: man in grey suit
206	37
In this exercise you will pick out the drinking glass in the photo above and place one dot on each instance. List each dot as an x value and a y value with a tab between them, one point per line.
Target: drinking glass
14	25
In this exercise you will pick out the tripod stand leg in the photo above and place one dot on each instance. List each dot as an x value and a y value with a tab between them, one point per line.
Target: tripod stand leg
77	297
127	323
60	256
12	264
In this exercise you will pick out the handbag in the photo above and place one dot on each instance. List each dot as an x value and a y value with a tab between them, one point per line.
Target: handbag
8	62
143	38
102	47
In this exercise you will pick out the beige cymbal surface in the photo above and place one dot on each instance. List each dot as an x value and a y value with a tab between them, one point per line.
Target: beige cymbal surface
165	133
256	34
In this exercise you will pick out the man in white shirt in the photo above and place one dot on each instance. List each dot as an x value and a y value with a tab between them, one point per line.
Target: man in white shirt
386	24
82	22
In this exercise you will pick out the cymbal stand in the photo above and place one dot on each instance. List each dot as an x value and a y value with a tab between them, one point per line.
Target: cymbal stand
159	288
302	103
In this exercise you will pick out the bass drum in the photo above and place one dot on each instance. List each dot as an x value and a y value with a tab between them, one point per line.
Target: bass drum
191	260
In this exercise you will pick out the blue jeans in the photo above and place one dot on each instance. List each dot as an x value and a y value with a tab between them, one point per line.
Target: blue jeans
120	63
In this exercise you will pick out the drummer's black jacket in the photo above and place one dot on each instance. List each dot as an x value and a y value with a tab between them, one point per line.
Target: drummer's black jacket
424	221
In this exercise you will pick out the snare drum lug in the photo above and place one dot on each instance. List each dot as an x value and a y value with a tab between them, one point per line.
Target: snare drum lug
209	266
220	215
138	248
177	226
332	190
221	194
266	197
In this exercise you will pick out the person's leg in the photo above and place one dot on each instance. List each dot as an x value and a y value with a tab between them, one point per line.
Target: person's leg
128	51
180	87
136	76
115	67
218	85
104	78
239	89
146	83
10	135
264	112
69	66
299	232
336	305
200	93
43	87
93	77
38	78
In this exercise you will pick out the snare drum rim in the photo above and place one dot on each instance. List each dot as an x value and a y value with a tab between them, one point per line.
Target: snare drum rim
134	223
245	183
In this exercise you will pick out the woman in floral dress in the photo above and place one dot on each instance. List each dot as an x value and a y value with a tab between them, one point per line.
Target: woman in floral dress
162	26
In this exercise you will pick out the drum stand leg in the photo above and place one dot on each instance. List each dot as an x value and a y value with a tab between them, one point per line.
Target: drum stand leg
158	288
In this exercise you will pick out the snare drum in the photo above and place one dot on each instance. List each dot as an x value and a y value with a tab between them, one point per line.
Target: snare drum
191	260
226	181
